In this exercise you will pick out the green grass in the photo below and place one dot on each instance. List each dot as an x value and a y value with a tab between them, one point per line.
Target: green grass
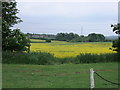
58	76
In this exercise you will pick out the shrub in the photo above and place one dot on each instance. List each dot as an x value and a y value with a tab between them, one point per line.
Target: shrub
48	40
42	58
95	58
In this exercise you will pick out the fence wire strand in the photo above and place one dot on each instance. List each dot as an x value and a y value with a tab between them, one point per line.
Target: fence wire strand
106	79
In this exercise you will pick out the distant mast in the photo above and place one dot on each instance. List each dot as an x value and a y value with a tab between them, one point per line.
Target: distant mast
81	30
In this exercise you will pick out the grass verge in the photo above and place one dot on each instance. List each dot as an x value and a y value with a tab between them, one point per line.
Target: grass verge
58	76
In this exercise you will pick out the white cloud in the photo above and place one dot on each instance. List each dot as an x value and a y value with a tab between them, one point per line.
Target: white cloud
53	17
66	9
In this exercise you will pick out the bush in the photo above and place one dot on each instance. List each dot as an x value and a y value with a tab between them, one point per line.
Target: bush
95	58
48	40
39	58
42	58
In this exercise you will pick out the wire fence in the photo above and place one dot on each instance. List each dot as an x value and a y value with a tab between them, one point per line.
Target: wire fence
106	79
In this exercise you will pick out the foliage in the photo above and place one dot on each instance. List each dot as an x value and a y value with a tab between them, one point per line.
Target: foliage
95	58
48	40
39	58
71	37
116	43
42	58
16	41
66	36
96	37
80	39
116	28
12	40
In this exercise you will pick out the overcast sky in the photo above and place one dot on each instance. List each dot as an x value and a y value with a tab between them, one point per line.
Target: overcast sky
78	17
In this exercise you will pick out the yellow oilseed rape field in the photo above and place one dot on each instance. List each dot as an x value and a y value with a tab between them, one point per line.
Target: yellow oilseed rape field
63	49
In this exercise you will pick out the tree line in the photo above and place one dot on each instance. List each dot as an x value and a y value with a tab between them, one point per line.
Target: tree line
72	37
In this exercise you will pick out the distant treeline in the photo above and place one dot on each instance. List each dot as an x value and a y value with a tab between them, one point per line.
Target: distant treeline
41	36
71	37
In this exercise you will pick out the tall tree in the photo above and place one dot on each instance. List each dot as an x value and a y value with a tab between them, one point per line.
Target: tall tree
116	43
66	36
96	37
12	40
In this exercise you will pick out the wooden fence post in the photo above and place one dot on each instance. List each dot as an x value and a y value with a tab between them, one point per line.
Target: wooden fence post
92	79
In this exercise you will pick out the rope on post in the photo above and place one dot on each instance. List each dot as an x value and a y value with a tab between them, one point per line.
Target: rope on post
106	79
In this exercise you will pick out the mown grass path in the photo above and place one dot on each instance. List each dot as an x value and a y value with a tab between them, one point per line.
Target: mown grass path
58	76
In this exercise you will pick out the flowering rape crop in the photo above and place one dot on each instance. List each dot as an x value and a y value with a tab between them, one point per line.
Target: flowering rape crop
63	49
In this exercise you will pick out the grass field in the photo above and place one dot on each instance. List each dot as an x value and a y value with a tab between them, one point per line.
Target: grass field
63	49
58	76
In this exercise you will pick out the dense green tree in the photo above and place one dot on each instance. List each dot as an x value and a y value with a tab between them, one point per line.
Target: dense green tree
60	37
72	37
48	40
12	40
116	43
80	39
96	37
66	36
